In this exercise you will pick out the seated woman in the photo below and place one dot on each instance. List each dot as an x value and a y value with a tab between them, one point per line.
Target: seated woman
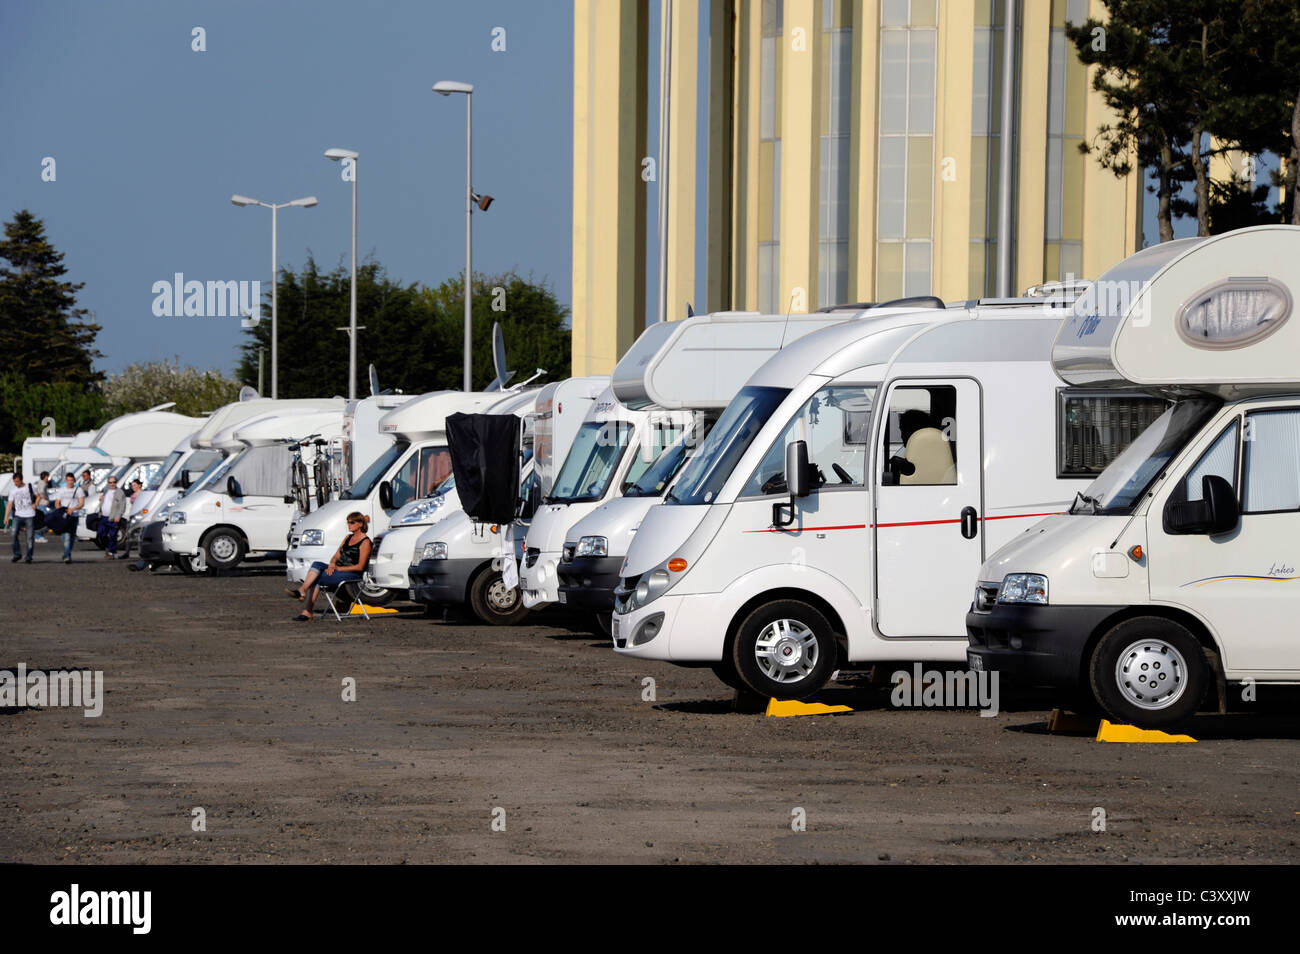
347	565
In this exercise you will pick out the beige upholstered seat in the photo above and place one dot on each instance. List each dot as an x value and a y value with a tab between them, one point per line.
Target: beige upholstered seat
932	456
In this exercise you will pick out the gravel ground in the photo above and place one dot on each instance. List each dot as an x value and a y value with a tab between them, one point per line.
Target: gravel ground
216	700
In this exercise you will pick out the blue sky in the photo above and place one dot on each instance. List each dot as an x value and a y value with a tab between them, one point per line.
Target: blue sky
151	138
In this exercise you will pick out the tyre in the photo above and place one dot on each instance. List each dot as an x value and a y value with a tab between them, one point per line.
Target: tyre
725	669
223	549
191	565
603	623
493	602
1149	672
785	650
373	595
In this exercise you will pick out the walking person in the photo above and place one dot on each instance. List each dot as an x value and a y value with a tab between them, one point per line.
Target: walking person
347	565
112	508
22	505
67	500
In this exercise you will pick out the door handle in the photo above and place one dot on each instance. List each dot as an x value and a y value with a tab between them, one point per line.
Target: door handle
970	523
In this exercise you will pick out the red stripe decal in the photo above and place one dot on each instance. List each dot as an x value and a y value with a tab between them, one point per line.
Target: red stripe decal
910	523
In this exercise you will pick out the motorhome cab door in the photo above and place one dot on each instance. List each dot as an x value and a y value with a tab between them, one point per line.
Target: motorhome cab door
928	504
1242	581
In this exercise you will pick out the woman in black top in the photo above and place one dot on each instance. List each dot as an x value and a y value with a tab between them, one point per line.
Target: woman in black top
348	563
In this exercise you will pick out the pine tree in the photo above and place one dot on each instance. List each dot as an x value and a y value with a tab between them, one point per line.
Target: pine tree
43	334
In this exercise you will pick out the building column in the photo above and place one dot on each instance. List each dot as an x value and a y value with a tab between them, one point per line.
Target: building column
950	275
800	156
610	43
862	151
1031	154
744	196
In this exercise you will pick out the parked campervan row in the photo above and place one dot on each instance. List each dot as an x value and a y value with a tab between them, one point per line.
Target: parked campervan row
1175	570
855	482
244	508
694	365
415	462
393	549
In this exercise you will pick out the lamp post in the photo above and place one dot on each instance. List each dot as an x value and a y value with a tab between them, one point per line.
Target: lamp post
337	155
446	88
305	203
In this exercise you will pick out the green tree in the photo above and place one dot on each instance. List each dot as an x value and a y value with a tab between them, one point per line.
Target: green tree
145	385
42	331
24	407
412	334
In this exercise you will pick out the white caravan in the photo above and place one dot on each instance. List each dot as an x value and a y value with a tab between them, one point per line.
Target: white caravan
42	453
693	365
393	549
454	561
1177	568
244	508
415	463
841	504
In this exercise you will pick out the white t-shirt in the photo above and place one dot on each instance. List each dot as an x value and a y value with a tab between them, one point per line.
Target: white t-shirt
24	501
65	496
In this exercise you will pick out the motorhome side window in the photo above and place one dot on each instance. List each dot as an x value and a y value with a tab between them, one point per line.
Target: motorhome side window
1272	443
420	474
654	440
1093	427
1219	461
920	439
836	424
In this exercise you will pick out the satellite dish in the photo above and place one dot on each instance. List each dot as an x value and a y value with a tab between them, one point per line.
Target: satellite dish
499	358
248	393
374	381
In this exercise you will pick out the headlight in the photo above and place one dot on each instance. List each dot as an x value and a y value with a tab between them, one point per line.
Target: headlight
592	547
1024	588
312	538
421	512
177	516
434	551
650	588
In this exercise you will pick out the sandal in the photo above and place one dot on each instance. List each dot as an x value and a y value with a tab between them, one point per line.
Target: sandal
294	593
302	618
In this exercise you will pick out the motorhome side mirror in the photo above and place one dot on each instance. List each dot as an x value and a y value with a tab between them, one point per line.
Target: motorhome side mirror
232	487
796	468
386	495
1215	512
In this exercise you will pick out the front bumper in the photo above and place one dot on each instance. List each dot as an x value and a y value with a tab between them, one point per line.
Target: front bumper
181	539
1034	645
441	582
588	582
539	582
298	561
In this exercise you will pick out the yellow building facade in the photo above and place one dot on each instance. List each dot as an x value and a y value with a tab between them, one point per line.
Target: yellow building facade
851	149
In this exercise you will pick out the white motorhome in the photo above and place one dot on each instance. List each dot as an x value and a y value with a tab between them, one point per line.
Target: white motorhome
42	453
695	365
840	504
244	508
413	466
1176	569
363	440
394	548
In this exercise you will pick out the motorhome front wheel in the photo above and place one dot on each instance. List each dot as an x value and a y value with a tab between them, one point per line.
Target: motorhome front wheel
223	549
785	650
495	603
1149	672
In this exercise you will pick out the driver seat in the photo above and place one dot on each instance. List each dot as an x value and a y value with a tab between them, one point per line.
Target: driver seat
931	455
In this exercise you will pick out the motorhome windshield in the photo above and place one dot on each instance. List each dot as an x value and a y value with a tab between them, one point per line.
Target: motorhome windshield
1119	487
592	460
717	457
156	481
662	471
363	485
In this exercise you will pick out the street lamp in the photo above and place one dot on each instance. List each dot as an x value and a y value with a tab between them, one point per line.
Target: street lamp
337	155
446	88
306	203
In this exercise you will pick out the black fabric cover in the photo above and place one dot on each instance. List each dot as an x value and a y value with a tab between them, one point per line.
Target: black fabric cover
485	459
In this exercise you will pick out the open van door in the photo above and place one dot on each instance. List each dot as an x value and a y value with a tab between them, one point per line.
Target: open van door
928	503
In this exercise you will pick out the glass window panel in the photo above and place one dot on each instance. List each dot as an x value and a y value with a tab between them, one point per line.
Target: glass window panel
767	187
916	277
1220	459
767	276
767	89
892	203
921	74
1071	260
893	81
841	76
1272	461
893	13
1071	196
979	114
920	188
1092	430
1076	11
1054	185
978	188
1056	84
776	190
835	425
1228	314
889	270
924	13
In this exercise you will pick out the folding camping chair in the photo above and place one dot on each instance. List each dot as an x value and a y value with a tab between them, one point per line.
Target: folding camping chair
335	593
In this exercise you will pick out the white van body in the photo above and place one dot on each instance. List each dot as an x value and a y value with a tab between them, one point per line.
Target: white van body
213	527
933	432
1177	568
392	556
412	466
693	365
42	453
